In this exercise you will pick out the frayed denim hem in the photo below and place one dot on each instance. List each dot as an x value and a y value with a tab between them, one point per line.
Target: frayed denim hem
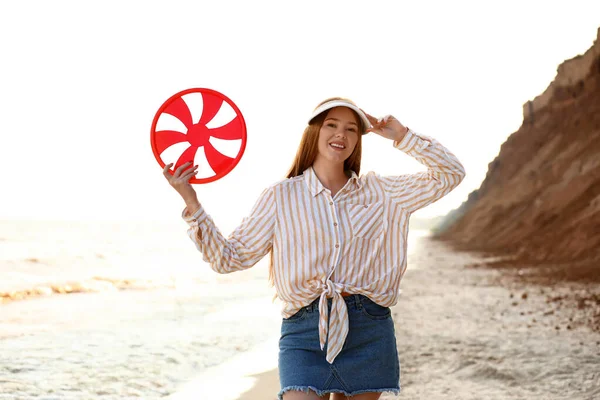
307	389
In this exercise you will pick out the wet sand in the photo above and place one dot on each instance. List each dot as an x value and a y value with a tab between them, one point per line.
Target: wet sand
477	333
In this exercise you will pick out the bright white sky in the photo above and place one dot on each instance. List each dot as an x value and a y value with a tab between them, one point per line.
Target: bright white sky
80	84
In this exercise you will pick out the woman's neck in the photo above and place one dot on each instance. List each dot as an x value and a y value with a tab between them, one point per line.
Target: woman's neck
332	176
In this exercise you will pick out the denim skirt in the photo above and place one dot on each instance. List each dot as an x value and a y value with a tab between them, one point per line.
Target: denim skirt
368	361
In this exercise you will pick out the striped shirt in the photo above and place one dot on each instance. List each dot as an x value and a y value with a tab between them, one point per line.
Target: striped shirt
353	242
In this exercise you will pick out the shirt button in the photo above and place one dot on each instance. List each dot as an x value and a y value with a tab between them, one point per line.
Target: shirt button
331	203
366	206
337	245
335	224
194	220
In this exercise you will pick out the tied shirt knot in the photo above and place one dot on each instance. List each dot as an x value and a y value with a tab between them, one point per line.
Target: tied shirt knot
333	329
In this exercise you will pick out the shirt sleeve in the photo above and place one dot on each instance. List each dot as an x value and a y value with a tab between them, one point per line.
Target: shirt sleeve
246	245
415	191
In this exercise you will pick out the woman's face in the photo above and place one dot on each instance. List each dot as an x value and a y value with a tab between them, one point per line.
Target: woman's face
338	135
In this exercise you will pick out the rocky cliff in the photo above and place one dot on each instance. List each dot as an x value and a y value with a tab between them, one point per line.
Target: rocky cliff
540	200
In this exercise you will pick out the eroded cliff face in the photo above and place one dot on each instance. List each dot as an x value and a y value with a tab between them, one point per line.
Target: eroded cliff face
540	200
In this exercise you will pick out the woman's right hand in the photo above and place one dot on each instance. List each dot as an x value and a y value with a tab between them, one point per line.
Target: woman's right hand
180	180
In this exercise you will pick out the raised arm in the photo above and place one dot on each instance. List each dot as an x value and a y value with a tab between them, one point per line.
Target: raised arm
246	245
415	191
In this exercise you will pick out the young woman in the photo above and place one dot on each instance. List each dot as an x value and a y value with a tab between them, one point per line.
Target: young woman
338	249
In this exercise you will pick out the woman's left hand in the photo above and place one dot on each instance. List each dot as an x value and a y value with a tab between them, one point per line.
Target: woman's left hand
388	127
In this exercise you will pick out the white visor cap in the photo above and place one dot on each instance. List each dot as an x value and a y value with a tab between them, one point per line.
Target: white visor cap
340	103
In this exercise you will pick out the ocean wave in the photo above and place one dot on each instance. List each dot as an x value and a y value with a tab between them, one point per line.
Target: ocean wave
91	285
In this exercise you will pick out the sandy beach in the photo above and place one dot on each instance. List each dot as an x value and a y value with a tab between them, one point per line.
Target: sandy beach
477	333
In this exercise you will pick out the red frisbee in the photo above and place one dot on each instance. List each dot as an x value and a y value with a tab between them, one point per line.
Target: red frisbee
202	126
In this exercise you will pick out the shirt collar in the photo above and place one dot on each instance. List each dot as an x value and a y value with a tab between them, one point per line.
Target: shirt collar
315	186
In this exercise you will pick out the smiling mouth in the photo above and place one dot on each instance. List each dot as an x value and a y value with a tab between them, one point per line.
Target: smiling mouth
337	146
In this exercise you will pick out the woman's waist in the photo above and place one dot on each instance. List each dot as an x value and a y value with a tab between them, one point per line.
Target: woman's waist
351	300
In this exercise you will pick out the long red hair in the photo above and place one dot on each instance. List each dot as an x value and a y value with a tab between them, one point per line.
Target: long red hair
308	151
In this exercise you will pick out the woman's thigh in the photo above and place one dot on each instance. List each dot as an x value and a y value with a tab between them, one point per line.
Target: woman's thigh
292	395
362	396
